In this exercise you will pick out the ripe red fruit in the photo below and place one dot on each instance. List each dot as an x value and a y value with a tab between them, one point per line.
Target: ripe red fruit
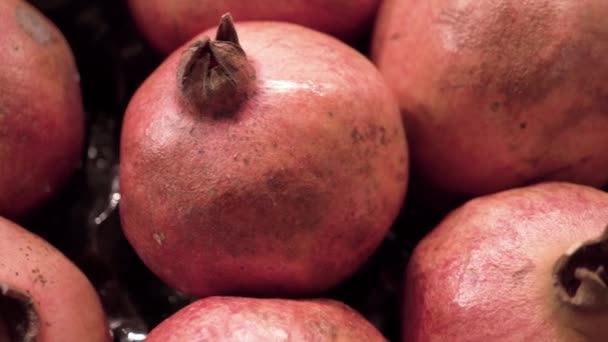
514	266
497	94
43	296
169	24
277	167
262	320
41	119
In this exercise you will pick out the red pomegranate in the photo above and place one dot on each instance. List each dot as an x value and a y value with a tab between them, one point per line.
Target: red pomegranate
522	265
41	115
269	163
499	93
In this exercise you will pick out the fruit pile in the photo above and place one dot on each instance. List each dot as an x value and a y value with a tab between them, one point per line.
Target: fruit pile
357	170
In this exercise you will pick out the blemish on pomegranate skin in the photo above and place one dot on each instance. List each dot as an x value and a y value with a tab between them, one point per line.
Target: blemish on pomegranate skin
395	36
356	136
33	25
159	237
495	107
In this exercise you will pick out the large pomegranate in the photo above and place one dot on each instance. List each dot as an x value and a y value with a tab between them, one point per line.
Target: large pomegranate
499	93
522	265
41	115
273	165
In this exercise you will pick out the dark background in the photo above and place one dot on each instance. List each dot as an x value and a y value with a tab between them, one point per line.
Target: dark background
113	59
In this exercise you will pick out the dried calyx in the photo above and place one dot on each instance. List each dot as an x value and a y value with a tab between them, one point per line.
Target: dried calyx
215	77
580	275
18	319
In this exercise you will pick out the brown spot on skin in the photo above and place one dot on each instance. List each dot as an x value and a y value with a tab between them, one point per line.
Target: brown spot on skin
526	269
371	133
508	42
384	139
31	22
520	55
38	277
322	329
356	136
523	125
495	106
239	220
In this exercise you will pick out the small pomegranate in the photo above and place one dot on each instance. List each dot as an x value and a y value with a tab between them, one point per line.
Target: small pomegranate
224	319
499	93
41	115
169	24
43	296
522	265
270	163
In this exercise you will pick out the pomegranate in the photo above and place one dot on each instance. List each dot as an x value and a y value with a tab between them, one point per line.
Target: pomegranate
527	264
41	115
265	320
169	24
272	167
43	296
497	94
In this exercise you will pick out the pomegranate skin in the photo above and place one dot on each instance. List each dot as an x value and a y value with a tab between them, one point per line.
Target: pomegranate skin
41	115
265	320
65	302
497	94
288	195
485	272
169	24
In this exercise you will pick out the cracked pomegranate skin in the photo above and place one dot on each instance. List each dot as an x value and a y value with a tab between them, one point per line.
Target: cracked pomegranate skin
66	303
265	320
41	115
485	272
500	93
289	194
169	24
